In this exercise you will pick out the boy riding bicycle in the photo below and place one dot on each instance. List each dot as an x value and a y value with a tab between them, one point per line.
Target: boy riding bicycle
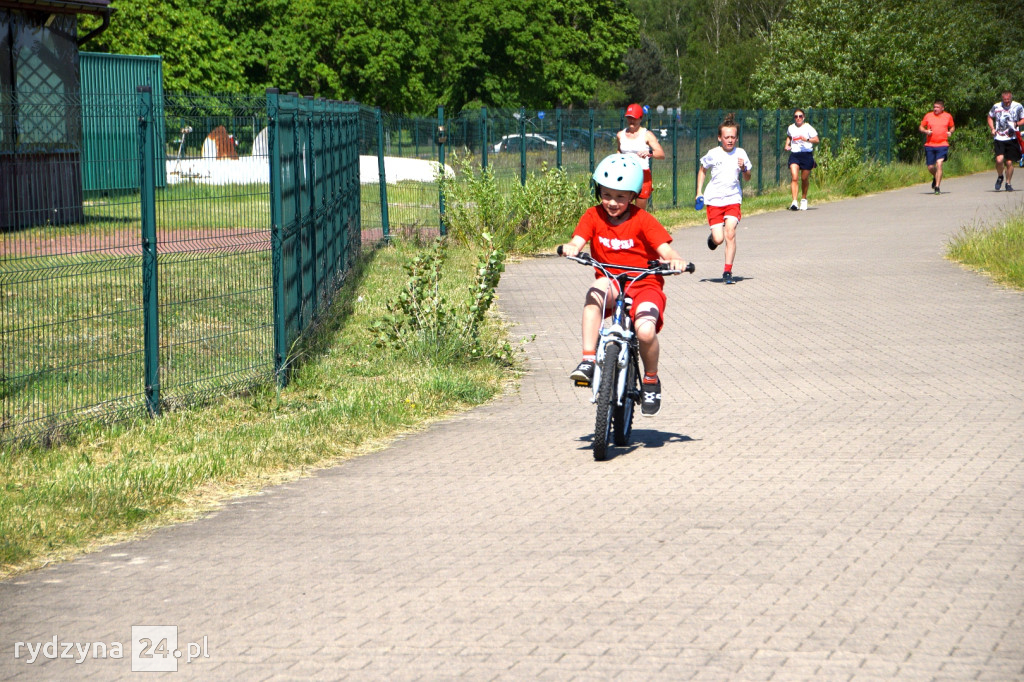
623	234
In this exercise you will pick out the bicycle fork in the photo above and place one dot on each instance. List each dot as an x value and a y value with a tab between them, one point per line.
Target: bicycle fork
622	336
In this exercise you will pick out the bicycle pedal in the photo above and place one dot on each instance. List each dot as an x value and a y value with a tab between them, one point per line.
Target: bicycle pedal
584	384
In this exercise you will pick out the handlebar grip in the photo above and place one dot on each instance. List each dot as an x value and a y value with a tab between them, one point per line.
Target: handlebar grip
690	267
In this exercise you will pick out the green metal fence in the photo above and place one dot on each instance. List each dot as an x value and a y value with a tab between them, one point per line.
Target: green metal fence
515	143
245	215
164	296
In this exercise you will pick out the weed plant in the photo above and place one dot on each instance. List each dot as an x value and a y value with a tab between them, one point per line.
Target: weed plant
996	250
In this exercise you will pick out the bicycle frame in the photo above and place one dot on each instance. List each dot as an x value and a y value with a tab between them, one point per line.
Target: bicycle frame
617	394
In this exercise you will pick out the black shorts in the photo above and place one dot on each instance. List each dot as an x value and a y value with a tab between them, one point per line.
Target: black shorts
805	160
1008	149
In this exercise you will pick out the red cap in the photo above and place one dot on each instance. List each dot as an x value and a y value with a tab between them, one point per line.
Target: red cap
635	111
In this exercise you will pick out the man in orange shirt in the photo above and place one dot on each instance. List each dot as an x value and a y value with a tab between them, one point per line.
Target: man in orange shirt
937	124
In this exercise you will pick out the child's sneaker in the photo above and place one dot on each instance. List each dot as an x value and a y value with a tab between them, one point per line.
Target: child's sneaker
727	277
583	375
650	398
711	243
803	204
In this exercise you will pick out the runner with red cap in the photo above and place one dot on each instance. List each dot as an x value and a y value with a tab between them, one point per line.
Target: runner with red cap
635	139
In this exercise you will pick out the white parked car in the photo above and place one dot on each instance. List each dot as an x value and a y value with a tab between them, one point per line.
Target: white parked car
534	142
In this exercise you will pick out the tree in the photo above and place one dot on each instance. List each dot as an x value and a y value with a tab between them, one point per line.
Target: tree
869	53
646	78
198	53
535	53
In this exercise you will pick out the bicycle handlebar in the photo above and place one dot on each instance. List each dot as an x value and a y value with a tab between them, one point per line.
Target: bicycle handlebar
654	267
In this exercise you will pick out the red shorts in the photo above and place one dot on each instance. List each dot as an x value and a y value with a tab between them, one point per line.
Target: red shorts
645	293
718	214
648	186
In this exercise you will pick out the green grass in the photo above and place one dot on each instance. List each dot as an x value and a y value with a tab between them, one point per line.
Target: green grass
995	250
346	397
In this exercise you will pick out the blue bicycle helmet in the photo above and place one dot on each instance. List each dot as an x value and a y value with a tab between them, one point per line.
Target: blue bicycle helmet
620	172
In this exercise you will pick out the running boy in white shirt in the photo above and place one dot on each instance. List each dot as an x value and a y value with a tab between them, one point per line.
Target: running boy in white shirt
724	194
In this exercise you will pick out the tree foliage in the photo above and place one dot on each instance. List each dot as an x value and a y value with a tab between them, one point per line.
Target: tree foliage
198	53
868	53
710	48
403	55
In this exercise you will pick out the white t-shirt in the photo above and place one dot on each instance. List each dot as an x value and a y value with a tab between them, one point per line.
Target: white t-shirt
724	188
1005	120
805	131
635	145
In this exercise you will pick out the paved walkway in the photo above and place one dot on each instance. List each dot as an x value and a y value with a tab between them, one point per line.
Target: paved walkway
833	490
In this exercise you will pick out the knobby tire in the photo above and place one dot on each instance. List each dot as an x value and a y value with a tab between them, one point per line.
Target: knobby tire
606	401
623	417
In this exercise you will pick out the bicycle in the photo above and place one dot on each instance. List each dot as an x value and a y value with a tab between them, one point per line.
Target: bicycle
616	384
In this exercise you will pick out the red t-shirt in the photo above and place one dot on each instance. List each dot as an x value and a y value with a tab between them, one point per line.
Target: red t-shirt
939	125
633	242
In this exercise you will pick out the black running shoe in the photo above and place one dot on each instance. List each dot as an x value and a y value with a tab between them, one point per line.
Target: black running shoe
999	182
938	192
583	375
933	183
794	207
727	277
1009	187
650	398
711	243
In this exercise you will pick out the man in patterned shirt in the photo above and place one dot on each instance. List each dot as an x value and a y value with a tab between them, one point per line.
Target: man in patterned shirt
1004	119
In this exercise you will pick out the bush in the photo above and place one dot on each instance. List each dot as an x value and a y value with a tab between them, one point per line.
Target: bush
522	219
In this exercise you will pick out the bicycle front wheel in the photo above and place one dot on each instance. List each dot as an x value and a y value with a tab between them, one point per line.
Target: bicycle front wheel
623	417
606	400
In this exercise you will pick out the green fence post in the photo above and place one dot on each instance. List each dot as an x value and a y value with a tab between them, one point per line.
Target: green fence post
558	137
778	145
311	212
760	150
441	139
276	218
484	138
888	135
150	283
591	140
385	223
522	145
675	166
696	149
878	132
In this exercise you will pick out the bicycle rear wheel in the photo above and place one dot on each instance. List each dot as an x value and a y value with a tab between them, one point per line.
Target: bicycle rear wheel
606	400
623	415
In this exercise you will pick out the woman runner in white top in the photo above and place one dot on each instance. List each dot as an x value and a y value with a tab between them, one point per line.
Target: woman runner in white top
635	139
800	140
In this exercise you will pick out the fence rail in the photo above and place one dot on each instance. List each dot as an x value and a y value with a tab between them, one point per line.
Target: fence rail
158	248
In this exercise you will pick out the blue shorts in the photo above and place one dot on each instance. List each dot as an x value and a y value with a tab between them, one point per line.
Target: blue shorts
805	160
935	154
